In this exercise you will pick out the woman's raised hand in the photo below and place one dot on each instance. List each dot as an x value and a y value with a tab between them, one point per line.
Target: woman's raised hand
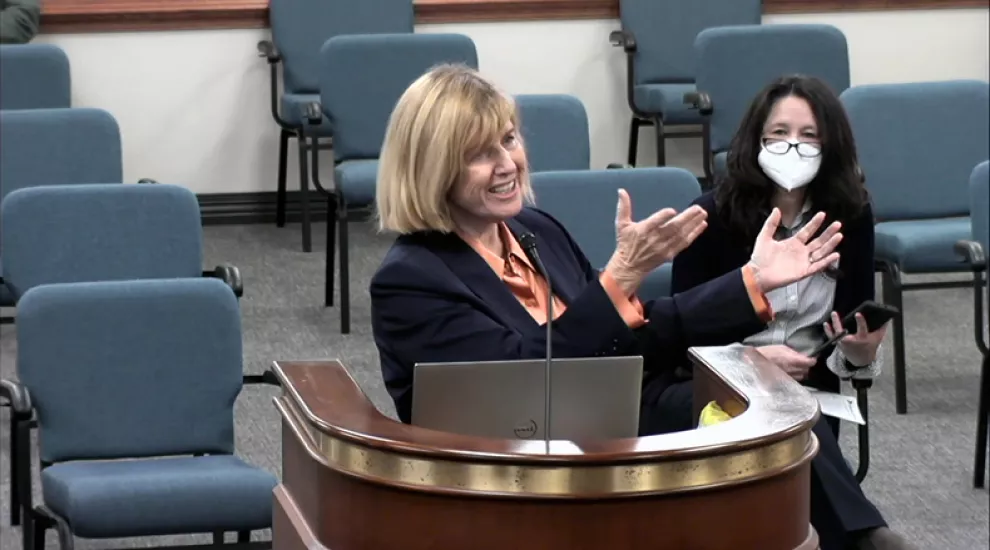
780	263
641	247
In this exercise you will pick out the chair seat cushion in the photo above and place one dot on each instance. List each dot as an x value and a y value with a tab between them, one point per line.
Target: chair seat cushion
668	100
129	498
656	284
355	180
922	246
294	111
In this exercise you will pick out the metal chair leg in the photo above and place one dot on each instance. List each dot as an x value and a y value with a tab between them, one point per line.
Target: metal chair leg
331	249
982	426
893	295
634	125
345	283
661	141
280	193
307	241
15	488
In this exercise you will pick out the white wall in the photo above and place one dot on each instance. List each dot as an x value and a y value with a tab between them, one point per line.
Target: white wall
193	105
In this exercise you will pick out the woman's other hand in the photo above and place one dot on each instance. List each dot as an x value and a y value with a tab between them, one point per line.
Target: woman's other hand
793	363
641	247
780	263
860	348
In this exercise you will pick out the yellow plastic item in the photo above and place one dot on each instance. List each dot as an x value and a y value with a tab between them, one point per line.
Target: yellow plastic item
712	414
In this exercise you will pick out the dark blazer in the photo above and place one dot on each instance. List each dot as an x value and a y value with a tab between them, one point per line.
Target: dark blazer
717	252
434	299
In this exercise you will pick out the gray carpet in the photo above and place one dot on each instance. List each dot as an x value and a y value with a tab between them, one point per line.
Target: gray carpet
921	463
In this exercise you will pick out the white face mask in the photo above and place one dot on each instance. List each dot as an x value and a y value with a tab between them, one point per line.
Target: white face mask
789	170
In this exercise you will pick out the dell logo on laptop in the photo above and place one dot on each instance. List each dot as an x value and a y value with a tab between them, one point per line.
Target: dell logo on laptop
526	430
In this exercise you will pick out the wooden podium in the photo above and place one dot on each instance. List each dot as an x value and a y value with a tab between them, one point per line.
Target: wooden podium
354	479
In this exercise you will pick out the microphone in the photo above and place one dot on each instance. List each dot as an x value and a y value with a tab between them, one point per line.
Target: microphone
528	242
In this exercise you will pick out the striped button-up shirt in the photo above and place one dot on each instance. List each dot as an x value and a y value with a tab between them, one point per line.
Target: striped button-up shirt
801	308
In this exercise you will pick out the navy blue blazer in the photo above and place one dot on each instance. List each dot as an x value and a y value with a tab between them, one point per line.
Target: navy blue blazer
434	299
718	251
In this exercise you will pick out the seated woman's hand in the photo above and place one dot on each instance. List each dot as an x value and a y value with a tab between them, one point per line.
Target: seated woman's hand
860	348
780	263
641	247
793	363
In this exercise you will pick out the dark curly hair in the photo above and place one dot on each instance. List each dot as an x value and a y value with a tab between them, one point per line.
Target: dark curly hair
743	193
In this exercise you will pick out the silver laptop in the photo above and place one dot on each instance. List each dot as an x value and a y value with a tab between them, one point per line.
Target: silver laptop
591	398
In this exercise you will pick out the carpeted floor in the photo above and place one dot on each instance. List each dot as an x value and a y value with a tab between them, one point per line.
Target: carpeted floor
922	462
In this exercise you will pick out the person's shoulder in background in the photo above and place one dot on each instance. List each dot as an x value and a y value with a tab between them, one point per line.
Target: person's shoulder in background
19	21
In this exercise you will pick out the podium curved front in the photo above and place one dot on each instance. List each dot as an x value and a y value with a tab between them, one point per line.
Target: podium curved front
354	479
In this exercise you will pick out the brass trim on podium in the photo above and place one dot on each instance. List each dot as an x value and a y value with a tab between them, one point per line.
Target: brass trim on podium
553	481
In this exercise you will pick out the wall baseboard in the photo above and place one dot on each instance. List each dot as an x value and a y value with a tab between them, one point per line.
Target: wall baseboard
255	207
259	207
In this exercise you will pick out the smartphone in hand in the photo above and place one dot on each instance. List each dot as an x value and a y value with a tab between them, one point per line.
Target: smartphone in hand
825	345
876	315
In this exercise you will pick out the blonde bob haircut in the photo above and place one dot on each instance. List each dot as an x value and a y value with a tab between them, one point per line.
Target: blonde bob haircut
442	121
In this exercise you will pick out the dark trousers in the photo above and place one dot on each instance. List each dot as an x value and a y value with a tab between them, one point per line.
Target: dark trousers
839	509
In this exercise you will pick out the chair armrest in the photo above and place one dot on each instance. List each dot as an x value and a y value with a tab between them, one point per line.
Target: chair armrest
267	50
314	113
147	180
700	101
623	39
230	275
618	166
973	253
18	396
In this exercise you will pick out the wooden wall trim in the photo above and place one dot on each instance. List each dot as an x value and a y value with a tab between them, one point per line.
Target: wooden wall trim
86	16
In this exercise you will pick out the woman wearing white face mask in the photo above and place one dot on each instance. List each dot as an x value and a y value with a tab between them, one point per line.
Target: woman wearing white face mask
794	153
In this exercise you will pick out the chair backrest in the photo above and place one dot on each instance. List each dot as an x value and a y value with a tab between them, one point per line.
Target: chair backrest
665	31
555	132
379	68
584	201
300	27
34	76
735	63
918	144
979	196
99	232
57	147
128	369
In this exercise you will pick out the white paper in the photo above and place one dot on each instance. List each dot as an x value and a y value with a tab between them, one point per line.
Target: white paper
843	407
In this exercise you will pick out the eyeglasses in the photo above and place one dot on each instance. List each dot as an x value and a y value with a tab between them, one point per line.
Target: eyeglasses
782	147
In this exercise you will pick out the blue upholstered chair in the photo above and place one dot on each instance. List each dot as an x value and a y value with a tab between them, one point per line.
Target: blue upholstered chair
379	68
917	145
34	76
299	29
658	39
102	232
555	131
133	385
591	220
975	252
735	63
56	146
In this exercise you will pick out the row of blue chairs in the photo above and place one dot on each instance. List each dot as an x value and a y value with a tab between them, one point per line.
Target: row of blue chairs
920	217
123	343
